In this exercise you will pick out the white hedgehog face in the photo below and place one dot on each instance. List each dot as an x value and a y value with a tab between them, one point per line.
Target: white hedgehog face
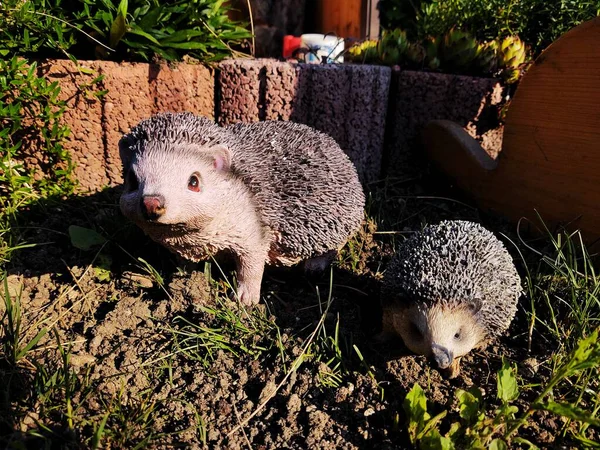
439	332
175	186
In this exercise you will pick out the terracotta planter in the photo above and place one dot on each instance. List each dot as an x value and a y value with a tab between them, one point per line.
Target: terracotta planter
348	102
417	98
135	91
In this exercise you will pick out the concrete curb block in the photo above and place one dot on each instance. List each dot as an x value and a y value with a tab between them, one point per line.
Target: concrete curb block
419	97
348	102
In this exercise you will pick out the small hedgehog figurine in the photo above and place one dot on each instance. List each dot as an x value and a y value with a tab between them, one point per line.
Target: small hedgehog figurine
268	192
449	289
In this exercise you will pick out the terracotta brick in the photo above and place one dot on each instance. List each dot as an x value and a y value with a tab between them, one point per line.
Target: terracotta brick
138	90
184	87
83	115
128	101
135	91
239	91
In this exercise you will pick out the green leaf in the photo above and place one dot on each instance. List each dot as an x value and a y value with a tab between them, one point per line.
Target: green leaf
508	389
122	8
469	404
99	433
182	36
520	440
435	441
586	346
85	238
102	269
32	343
429	427
498	444
135	30
415	406
150	19
455	429
186	45
117	30
571	411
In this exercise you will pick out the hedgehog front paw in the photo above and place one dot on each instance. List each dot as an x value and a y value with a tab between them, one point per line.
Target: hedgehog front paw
249	277
454	369
248	295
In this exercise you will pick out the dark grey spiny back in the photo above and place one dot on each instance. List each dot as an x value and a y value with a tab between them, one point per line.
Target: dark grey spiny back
303	182
456	263
305	186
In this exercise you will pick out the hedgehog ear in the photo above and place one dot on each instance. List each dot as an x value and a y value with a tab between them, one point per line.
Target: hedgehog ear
475	305
221	156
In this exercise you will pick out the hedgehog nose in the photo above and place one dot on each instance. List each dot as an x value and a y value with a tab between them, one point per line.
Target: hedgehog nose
442	356
153	206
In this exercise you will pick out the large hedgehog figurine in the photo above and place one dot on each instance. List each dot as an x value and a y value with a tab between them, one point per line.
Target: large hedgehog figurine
450	288
269	192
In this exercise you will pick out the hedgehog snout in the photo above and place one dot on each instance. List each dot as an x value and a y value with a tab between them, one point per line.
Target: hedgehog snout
442	356
153	206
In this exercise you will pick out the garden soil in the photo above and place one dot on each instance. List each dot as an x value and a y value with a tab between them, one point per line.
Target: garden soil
124	328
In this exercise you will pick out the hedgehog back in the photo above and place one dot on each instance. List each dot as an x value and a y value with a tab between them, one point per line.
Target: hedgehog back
306	186
456	263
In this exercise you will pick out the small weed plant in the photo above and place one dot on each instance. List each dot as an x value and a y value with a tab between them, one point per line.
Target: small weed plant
564	313
480	426
30	129
14	340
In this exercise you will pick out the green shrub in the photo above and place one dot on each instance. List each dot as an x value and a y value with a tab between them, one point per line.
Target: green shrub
537	22
125	30
30	113
27	28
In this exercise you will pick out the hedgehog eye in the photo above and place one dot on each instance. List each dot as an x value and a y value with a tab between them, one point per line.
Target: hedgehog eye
132	181
194	183
457	335
414	330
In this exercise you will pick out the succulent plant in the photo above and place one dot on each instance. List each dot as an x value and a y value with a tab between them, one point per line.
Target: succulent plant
431	46
365	52
487	57
388	55
458	51
512	54
415	54
455	52
392	46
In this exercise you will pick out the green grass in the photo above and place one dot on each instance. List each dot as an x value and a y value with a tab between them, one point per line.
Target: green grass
16	345
565	312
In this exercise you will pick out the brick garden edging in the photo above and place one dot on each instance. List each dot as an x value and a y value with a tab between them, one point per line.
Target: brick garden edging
350	102
135	91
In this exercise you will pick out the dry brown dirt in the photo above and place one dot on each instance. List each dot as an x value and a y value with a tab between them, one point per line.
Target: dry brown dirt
119	324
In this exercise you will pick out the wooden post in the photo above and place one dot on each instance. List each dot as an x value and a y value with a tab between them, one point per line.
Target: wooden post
355	19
